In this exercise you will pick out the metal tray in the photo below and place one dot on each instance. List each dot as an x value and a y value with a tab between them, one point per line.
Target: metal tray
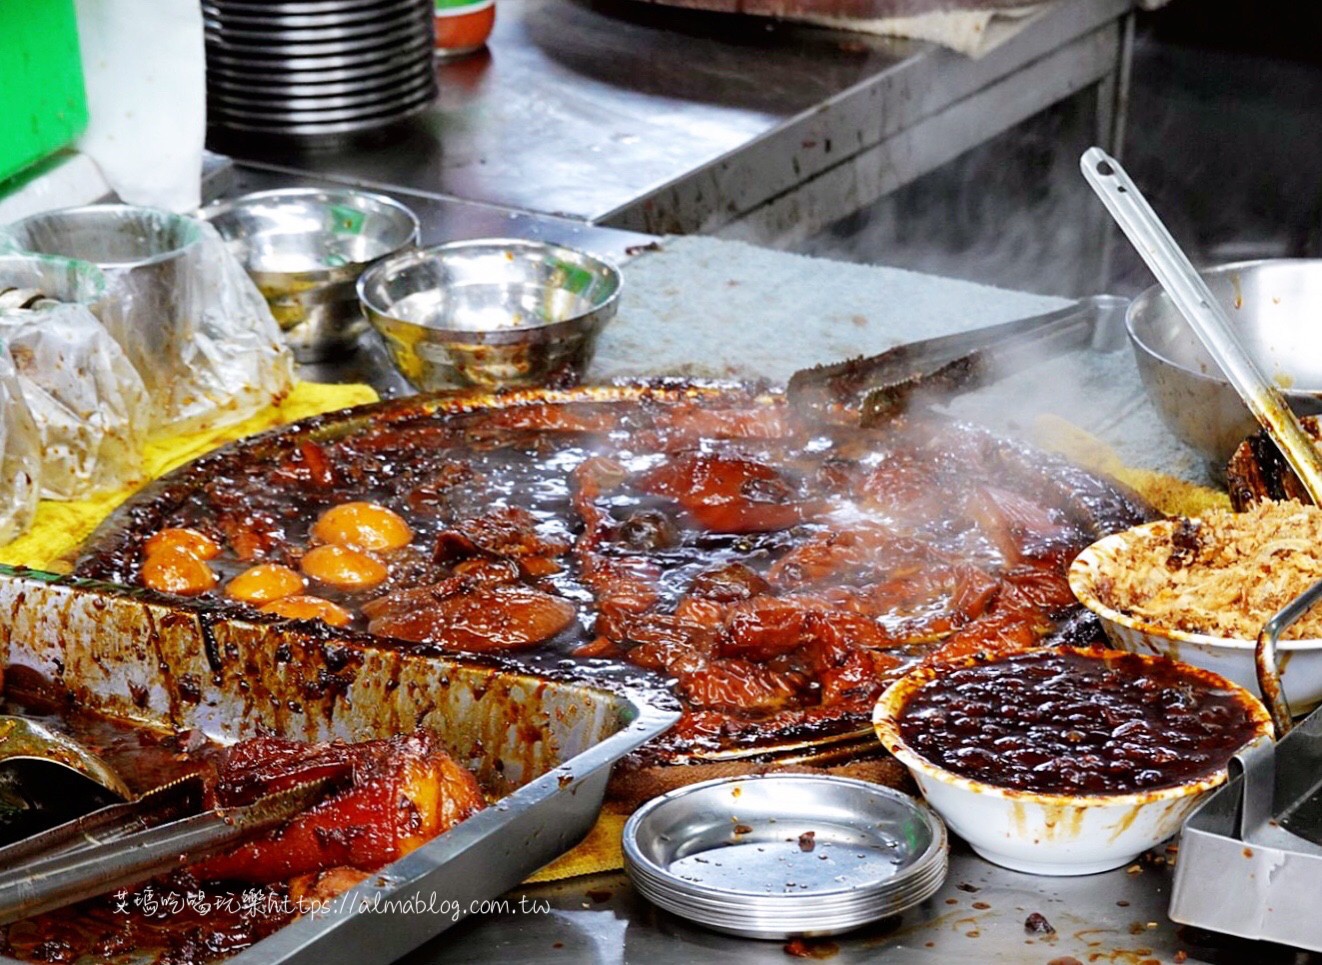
1255	879
544	745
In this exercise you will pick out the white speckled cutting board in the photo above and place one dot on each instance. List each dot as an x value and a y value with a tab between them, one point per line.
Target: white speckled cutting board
708	308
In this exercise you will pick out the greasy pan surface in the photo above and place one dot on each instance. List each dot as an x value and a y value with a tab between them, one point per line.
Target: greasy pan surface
781	573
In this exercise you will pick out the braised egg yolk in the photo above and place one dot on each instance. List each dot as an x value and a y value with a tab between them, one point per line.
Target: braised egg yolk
198	545
264	583
175	570
309	608
364	526
342	567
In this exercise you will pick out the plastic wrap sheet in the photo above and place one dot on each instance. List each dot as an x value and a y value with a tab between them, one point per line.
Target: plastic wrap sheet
180	305
89	405
20	456
208	347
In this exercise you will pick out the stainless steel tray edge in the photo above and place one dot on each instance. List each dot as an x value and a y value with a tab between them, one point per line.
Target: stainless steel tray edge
1265	888
139	656
428	891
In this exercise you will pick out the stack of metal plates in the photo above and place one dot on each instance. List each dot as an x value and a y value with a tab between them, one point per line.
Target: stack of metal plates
785	854
317	69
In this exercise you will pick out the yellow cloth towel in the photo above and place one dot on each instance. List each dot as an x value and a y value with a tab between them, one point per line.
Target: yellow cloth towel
1174	497
599	851
60	527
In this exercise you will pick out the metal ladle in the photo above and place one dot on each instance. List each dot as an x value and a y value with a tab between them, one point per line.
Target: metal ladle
1204	314
47	778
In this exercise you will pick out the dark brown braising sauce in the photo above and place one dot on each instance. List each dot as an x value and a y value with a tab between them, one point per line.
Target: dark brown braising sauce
1061	722
779	572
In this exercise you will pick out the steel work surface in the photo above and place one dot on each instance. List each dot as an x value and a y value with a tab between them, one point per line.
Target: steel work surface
977	916
600	919
671	121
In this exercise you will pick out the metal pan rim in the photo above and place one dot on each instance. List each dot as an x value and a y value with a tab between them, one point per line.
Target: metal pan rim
334	129
318	105
241	96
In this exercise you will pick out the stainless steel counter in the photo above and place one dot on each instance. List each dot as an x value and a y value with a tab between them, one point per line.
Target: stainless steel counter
667	121
977	916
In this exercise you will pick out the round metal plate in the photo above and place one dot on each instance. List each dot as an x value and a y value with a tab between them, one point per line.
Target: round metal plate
415	56
279	92
425	86
293	66
785	854
240	97
318	108
281	50
257	35
368	13
325	129
261	9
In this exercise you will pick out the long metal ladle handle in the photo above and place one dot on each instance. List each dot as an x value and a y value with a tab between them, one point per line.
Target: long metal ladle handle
1204	313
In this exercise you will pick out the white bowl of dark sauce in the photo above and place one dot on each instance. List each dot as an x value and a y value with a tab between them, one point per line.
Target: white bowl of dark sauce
1067	761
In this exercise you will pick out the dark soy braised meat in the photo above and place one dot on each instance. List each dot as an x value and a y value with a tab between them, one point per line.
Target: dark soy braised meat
779	572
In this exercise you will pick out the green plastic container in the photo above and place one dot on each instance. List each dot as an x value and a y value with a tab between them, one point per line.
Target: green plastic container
42	103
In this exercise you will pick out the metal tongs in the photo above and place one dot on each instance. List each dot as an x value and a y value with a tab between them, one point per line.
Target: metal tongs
1258	761
882	386
124	844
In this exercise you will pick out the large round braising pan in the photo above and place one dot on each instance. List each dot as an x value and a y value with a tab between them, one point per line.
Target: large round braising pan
1094	503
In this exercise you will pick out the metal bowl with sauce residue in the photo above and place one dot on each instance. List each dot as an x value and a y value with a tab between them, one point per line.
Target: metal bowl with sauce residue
1272	304
304	248
491	313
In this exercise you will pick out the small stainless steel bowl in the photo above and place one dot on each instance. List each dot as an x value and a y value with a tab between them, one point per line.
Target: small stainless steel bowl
1272	304
779	855
59	279
305	248
117	238
490	313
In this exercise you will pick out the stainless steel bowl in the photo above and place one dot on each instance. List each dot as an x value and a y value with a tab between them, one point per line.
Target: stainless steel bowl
56	278
305	248
114	237
491	313
1274	305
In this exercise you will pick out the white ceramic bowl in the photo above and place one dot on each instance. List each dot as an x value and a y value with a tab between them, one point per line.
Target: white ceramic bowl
1049	834
1300	661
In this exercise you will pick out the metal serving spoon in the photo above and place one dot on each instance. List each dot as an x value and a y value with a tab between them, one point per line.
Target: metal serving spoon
1204	314
47	778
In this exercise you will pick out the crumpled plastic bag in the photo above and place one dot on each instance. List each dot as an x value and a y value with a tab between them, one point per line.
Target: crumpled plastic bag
89	405
20	456
180	305
205	343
